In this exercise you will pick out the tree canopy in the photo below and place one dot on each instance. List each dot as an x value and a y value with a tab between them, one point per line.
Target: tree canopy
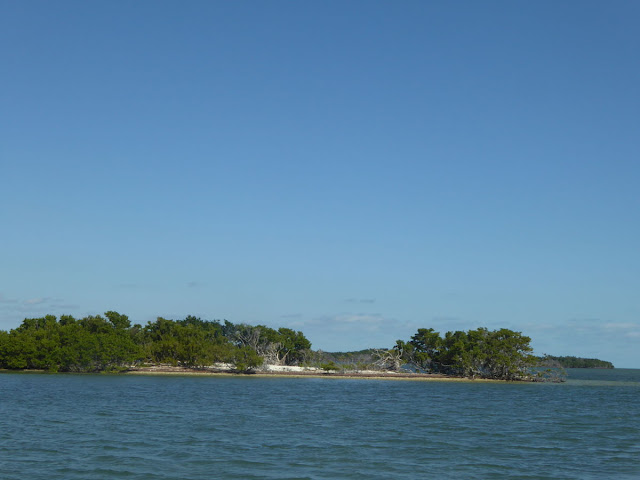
573	362
110	342
500	354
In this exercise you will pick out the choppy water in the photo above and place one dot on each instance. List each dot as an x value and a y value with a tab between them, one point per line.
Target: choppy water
112	427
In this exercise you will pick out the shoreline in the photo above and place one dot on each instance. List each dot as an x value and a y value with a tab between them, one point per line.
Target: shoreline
183	371
166	370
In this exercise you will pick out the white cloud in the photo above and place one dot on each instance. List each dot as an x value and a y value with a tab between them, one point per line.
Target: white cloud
620	325
352	321
35	301
351	330
361	300
358	318
4	299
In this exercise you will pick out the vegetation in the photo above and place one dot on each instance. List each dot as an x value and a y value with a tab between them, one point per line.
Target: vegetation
329	367
481	353
573	362
348	361
111	343
499	354
89	344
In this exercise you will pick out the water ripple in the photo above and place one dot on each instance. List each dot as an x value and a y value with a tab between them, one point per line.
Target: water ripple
156	428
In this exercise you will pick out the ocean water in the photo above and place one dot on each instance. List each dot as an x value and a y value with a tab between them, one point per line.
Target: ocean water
148	427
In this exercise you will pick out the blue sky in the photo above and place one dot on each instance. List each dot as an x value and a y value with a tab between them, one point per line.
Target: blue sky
355	170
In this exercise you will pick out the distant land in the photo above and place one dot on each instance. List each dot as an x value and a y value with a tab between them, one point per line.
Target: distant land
573	362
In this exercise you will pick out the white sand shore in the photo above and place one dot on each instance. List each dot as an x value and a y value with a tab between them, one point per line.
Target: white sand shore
297	372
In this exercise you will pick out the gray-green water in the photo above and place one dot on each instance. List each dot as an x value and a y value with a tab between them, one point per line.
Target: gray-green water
111	427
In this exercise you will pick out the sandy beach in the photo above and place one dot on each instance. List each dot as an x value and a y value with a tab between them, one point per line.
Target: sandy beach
298	372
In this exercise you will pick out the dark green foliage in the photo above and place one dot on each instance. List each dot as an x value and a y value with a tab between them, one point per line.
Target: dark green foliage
572	362
246	359
194	342
119	322
91	344
111	343
329	367
293	346
500	354
424	349
191	342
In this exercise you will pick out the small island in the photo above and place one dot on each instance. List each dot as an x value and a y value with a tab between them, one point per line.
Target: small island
573	362
110	343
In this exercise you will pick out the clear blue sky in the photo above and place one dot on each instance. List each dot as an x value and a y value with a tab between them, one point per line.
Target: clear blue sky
355	170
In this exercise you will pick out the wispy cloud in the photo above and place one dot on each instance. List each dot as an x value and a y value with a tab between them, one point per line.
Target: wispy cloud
583	327
448	321
360	300
592	337
359	318
442	323
34	306
36	301
620	325
349	322
4	299
602	325
353	330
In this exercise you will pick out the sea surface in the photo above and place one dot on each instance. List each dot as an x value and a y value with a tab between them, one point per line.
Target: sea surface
72	427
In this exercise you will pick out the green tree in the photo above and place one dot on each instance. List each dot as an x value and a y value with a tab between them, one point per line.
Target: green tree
426	345
329	367
501	354
293	346
119	322
245	359
193	348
